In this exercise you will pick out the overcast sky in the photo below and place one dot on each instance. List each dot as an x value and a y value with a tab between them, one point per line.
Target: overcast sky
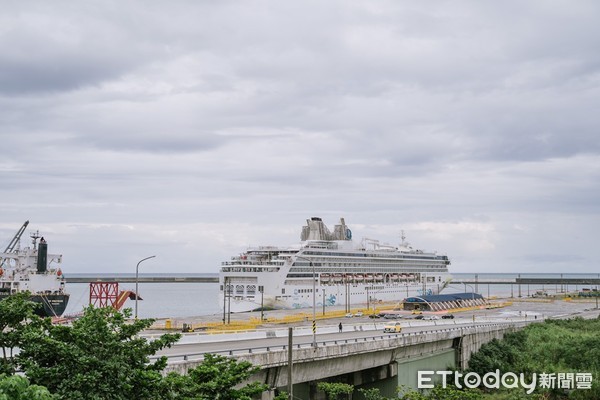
192	130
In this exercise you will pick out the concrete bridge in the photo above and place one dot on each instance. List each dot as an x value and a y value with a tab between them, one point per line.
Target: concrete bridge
371	360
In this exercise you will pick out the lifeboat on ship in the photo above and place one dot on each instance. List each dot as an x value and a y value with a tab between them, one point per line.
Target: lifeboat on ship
325	278
359	278
379	277
338	278
394	277
369	278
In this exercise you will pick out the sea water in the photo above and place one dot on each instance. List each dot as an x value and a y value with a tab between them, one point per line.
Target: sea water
186	299
160	300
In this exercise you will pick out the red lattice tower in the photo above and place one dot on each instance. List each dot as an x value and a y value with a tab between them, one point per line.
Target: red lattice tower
103	294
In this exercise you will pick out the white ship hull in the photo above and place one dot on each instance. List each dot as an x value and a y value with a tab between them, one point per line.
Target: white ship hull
341	272
334	296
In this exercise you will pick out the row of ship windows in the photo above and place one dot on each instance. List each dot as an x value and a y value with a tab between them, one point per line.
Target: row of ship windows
351	278
368	263
354	293
239	289
353	255
251	290
309	271
249	269
369	269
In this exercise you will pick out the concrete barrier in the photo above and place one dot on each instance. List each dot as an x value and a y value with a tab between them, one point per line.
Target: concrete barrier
208	337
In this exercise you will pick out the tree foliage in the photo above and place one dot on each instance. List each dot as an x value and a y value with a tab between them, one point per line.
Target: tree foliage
371	394
439	393
102	356
333	389
18	388
217	378
504	355
99	357
15	314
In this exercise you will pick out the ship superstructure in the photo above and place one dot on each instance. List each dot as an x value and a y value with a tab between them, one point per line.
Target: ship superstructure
341	271
33	270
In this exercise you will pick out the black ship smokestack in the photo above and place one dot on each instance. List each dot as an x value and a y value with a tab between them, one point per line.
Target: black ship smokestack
42	258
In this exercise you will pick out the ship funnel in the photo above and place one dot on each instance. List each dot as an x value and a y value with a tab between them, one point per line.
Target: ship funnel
315	229
42	258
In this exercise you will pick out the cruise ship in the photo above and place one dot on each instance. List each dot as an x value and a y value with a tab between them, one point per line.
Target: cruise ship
340	271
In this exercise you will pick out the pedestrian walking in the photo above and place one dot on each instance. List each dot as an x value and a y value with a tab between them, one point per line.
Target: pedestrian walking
340	326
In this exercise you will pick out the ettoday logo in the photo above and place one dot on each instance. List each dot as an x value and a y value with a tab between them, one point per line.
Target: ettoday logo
509	380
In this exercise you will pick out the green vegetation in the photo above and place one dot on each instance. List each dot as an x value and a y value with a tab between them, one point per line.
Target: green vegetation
215	378
101	356
18	388
333	390
14	312
554	347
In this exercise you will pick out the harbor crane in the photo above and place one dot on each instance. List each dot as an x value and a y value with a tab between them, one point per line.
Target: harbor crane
13	243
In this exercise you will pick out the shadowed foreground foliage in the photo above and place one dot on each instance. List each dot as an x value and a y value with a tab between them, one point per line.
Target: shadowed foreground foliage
101	356
14	313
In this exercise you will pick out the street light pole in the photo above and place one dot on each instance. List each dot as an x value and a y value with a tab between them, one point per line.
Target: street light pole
261	289
290	364
136	283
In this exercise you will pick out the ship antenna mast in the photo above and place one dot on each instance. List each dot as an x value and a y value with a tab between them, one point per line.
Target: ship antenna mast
35	236
402	236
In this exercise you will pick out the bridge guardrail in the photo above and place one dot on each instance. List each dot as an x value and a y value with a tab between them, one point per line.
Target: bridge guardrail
413	338
204	337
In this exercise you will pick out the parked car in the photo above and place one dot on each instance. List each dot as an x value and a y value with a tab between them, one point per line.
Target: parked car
448	316
359	314
373	316
420	316
431	317
349	315
393	328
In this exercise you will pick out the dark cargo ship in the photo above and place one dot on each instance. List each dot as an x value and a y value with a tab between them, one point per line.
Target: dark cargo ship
33	270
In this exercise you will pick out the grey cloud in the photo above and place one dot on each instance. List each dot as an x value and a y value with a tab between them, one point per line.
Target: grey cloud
155	114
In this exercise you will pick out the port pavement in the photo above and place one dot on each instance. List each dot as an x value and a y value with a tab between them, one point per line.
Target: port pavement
516	309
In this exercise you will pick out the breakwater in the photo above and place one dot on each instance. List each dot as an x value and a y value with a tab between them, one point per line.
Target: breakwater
215	279
142	279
